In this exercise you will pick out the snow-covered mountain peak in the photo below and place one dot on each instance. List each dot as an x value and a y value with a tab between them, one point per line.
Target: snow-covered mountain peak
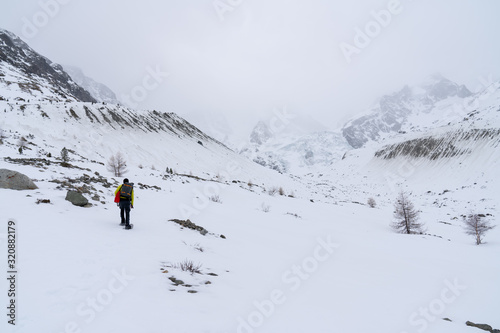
438	87
261	133
392	112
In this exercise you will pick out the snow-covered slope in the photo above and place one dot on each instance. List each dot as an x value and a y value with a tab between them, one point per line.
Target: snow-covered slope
99	91
149	139
461	156
298	266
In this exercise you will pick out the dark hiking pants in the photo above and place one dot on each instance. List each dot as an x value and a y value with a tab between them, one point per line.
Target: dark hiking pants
125	211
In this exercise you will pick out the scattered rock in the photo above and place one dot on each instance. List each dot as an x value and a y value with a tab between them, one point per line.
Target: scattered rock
39	201
76	198
222	236
480	326
208	282
192	291
14	180
147	187
175	281
190	225
212	274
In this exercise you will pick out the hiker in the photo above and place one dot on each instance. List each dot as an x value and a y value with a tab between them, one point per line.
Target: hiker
124	196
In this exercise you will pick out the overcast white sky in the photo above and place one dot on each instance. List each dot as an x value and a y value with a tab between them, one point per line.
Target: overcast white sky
249	57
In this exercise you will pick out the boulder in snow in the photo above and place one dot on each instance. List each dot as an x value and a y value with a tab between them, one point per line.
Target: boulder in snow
76	198
15	180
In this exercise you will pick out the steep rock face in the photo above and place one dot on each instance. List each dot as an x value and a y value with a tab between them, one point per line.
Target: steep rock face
260	134
16	55
99	91
392	112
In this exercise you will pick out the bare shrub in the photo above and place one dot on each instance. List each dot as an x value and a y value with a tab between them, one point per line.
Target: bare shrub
272	191
198	247
117	165
476	226
371	202
215	198
281	191
188	266
195	246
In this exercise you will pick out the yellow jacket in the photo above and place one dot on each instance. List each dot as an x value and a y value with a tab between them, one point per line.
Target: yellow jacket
132	194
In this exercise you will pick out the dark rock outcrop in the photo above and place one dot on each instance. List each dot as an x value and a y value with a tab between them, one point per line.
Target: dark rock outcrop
76	198
18	54
190	225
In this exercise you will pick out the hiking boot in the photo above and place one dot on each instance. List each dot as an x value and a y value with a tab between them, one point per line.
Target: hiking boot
122	224
128	226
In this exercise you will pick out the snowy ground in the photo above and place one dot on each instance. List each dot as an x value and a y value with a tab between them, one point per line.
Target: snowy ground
301	267
316	259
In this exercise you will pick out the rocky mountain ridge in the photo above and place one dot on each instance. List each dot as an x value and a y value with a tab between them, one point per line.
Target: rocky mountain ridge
391	113
34	74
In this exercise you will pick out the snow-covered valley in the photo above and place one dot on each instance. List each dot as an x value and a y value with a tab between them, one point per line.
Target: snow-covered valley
284	252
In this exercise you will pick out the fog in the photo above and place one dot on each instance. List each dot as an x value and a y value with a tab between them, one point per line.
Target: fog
241	60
